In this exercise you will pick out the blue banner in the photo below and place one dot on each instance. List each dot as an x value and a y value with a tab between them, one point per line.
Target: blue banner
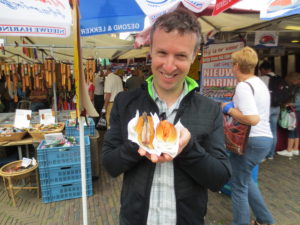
113	16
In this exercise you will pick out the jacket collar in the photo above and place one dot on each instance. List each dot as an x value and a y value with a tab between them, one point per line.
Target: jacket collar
191	84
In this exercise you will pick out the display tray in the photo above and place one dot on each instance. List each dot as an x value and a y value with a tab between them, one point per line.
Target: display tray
38	131
12	136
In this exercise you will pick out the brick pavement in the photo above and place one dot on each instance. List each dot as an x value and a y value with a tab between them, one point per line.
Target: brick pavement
279	181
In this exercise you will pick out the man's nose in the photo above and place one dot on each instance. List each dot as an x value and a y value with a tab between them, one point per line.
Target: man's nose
169	65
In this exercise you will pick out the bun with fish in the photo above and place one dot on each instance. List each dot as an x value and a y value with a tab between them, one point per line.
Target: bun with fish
145	130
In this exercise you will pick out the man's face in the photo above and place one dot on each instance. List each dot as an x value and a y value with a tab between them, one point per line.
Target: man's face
172	55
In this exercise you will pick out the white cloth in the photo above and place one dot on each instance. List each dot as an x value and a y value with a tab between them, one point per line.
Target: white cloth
113	84
257	104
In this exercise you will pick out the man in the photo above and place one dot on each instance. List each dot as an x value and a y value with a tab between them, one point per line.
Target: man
135	81
160	190
39	99
112	86
266	73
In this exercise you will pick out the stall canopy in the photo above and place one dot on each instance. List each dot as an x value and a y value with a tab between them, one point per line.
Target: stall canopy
103	46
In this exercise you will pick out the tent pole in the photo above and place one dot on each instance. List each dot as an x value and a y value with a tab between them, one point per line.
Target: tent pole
54	89
78	73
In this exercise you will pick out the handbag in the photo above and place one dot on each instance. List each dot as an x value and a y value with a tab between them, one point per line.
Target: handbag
236	134
102	123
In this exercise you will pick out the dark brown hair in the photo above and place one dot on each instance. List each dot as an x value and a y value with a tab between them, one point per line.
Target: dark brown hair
181	20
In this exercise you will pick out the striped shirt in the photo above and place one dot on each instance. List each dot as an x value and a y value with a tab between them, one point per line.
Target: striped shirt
162	207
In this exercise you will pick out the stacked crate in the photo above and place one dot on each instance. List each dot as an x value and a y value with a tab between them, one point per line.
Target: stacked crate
60	173
89	128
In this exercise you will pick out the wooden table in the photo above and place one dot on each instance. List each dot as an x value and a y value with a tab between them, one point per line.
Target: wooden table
26	141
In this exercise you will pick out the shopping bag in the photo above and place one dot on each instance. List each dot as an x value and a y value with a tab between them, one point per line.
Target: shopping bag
236	135
102	123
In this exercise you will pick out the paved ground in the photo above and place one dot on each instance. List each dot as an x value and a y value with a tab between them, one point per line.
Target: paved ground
279	181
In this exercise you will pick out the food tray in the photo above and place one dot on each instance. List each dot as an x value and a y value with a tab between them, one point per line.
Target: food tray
14	136
40	134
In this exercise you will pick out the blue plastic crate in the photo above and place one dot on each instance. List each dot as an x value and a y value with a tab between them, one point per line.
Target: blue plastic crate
74	130
63	174
58	192
61	156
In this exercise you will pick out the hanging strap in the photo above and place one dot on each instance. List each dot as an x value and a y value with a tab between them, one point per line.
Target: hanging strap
250	85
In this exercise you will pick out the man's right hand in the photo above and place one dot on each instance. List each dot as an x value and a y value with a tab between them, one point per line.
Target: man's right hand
184	139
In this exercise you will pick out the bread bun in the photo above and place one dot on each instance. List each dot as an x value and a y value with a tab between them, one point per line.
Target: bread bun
145	130
165	131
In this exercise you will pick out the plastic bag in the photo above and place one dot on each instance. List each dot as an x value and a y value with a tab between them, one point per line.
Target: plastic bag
287	118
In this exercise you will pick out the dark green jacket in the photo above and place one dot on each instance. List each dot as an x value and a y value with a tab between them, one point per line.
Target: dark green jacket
202	165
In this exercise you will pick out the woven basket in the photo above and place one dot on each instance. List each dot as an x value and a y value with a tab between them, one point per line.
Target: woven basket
38	135
12	136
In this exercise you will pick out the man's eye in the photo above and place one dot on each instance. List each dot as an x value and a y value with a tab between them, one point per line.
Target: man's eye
181	56
162	53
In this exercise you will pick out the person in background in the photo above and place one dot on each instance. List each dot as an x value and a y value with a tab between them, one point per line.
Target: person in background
293	79
159	189
91	90
39	99
266	73
135	81
112	86
250	106
121	74
99	92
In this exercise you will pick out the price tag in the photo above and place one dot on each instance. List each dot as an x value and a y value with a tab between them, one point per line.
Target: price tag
46	116
73	114
22	118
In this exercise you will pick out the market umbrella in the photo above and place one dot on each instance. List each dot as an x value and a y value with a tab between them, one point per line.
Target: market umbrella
278	8
114	16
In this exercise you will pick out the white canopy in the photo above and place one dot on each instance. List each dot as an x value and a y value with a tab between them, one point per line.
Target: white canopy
103	46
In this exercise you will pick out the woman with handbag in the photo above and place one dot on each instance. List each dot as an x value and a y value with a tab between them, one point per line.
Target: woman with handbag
250	105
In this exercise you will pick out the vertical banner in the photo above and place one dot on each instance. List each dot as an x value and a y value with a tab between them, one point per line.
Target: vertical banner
217	81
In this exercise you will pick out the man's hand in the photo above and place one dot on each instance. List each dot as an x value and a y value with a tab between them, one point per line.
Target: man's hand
184	139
